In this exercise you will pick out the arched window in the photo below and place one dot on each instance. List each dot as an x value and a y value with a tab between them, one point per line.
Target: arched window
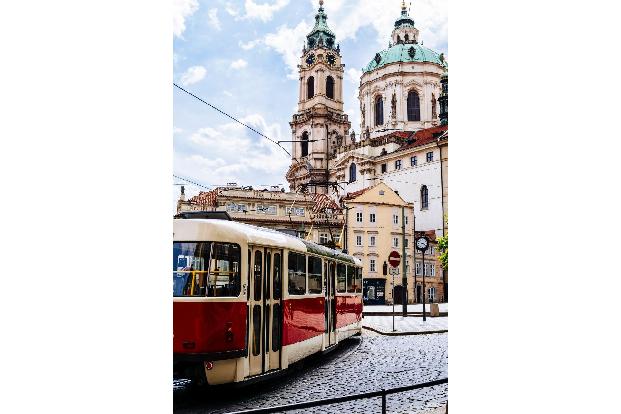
424	198
413	106
304	144
379	111
407	38
330	87
352	173
434	113
310	87
398	39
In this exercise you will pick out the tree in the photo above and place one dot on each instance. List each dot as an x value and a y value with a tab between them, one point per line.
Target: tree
443	246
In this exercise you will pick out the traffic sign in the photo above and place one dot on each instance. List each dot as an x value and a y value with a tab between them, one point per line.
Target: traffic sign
394	258
394	271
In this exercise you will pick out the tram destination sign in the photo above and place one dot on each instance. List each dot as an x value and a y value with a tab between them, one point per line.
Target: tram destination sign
394	258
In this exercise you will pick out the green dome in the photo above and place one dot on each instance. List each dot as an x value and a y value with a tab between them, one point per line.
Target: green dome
401	53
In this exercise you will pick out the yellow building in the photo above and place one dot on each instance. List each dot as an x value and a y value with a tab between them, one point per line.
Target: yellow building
374	229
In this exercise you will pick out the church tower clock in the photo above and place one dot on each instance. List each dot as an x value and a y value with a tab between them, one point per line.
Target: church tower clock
319	126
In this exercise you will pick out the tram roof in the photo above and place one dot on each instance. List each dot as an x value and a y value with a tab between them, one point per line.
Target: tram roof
203	229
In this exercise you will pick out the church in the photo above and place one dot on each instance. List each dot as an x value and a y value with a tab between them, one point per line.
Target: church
403	99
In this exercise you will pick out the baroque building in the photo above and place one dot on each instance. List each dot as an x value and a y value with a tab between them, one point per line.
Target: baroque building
314	217
320	125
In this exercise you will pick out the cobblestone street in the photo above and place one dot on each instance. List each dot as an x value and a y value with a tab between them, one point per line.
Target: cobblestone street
367	363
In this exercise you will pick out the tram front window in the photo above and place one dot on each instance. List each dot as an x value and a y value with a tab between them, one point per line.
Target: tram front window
206	269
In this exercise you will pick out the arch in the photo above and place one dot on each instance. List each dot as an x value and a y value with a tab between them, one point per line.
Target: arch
407	38
379	111
310	87
304	144
434	112
413	106
352	172
424	198
330	87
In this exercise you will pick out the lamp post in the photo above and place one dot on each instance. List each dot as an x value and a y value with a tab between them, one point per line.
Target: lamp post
422	243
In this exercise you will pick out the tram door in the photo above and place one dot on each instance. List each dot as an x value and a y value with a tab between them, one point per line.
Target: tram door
272	309
255	301
330	304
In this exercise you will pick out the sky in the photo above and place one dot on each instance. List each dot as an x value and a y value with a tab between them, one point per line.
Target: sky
242	56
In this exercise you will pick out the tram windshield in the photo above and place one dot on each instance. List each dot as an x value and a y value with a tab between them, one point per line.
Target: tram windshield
206	269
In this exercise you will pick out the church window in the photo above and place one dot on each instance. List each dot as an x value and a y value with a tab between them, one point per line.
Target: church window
379	111
407	38
434	114
413	161
310	87
398	165
413	106
304	144
429	156
383	168
398	39
424	198
330	87
352	173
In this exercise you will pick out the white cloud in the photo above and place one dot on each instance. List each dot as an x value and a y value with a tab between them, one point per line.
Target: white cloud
232	153
354	75
213	20
250	45
231	9
289	42
227	93
239	64
264	11
193	75
182	9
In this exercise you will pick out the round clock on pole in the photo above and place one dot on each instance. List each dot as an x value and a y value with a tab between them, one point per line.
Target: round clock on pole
422	243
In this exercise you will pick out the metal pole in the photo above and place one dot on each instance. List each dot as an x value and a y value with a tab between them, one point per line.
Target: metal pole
404	295
393	301
383	403
414	251
424	314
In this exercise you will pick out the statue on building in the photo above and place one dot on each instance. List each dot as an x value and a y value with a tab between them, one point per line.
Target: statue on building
393	106
363	110
352	136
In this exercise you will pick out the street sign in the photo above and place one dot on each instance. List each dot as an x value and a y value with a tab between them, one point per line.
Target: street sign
394	258
394	270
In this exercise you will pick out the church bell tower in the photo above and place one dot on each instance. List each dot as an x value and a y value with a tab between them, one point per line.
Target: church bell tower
319	126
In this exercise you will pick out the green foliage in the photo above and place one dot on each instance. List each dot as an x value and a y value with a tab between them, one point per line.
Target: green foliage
443	246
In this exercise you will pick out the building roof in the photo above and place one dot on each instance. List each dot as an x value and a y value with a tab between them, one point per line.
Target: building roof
321	35
425	136
405	53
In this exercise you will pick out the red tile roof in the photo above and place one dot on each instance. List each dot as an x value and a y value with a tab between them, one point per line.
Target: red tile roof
350	196
425	136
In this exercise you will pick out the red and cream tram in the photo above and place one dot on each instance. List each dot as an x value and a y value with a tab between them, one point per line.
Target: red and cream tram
250	301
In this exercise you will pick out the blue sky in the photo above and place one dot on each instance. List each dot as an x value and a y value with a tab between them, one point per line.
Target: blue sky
241	56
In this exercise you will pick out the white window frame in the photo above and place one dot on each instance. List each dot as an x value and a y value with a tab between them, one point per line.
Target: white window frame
358	240
395	219
428	158
397	164
413	161
372	218
358	217
395	242
418	269
323	236
372	240
372	265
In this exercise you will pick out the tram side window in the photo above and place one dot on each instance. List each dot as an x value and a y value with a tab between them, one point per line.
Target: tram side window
341	276
358	280
314	275
297	274
206	269
351	279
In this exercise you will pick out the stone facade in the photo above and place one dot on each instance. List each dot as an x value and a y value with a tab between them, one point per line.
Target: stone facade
312	216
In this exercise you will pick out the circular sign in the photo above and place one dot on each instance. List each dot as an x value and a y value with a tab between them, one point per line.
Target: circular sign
394	258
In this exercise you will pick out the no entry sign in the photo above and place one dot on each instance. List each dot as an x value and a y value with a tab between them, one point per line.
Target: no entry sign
394	258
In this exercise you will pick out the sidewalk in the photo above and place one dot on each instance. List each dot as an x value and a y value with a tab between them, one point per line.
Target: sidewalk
411	325
399	308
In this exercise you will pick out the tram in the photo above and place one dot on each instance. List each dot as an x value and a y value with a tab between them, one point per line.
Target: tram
248	301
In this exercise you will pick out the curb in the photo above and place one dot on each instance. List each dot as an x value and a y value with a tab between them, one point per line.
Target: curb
442	314
405	333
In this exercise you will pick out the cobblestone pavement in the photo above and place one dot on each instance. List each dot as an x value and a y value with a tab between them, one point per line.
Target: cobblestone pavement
407	324
443	307
366	363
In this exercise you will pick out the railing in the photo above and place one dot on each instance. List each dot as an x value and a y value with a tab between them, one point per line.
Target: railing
364	395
